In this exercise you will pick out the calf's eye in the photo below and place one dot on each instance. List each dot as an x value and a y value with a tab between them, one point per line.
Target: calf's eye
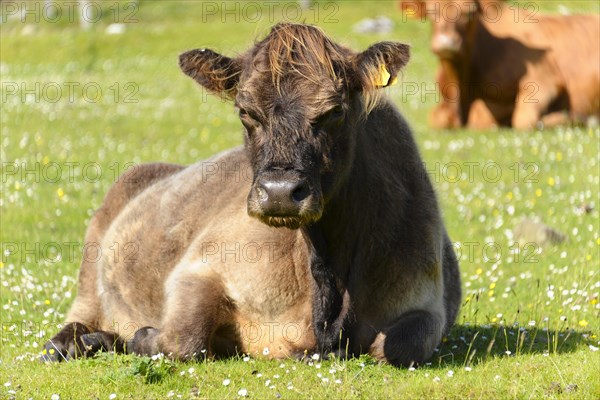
334	114
337	111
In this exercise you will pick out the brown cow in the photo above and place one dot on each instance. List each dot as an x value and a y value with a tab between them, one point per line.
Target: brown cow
501	65
364	252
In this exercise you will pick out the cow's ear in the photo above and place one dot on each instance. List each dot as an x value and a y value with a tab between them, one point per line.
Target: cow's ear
217	73
413	8
379	65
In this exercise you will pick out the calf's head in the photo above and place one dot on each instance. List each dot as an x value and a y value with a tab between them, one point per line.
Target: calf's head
300	98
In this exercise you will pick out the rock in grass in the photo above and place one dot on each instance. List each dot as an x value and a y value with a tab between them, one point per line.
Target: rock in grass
380	24
554	388
530	231
571	388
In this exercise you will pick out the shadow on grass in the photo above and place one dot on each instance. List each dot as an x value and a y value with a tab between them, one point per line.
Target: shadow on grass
468	345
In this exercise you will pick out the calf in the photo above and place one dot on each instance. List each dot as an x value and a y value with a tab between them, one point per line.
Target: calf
501	65
337	194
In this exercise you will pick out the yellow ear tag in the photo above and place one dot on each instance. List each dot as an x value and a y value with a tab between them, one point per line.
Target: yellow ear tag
383	79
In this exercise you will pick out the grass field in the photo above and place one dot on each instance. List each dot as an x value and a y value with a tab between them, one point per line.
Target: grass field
79	107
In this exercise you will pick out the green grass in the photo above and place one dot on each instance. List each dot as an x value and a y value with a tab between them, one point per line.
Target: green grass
530	320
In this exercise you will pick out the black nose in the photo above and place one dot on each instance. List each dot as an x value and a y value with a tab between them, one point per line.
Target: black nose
282	197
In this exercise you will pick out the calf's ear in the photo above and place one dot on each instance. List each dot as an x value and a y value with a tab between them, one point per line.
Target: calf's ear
217	73
379	65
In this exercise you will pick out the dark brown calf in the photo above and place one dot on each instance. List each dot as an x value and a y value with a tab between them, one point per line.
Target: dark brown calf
501	65
343	221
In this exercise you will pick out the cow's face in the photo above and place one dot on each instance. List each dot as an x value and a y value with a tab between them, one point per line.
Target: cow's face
295	133
299	97
453	23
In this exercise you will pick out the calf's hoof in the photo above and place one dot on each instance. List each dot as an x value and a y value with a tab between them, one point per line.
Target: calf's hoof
66	344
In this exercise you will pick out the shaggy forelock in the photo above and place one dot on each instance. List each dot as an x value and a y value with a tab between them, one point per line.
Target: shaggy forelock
304	51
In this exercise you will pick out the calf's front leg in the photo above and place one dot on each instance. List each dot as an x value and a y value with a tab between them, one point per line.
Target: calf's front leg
195	308
330	307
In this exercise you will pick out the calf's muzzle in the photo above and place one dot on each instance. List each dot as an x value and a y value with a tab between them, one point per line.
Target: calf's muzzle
285	199
282	197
